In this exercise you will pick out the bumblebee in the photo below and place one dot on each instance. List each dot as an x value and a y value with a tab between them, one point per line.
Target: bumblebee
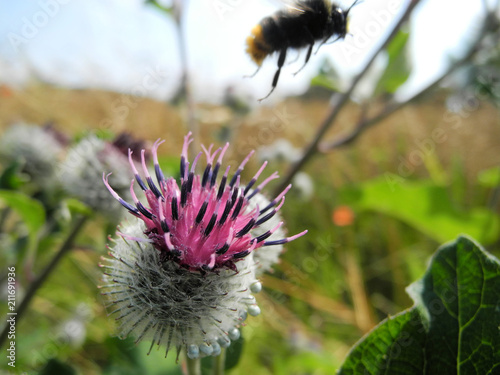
301	25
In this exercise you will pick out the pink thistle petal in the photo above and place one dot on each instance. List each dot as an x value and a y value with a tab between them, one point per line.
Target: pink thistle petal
201	224
132	164
169	242
267	180
154	150
187	141
245	161
219	161
196	161
143	162
105	178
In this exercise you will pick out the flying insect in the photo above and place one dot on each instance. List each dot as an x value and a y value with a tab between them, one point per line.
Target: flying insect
301	25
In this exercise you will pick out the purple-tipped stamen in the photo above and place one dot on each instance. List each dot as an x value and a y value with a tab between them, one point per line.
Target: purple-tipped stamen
201	225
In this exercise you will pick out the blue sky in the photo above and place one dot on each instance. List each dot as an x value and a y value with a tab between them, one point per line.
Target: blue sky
126	46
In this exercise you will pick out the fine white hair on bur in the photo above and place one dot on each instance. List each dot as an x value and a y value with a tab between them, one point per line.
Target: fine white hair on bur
173	306
81	175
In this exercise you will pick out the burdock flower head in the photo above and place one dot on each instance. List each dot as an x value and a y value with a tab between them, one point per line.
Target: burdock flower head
182	274
37	148
81	173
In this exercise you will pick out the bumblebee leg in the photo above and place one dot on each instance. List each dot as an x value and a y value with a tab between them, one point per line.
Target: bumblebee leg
295	59
309	51
281	61
333	41
309	36
254	73
325	42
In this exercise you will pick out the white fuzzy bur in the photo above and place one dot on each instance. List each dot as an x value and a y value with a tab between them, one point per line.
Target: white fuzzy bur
81	175
36	148
170	305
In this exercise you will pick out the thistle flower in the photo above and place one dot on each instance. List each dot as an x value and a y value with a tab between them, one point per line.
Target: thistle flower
182	274
37	148
81	173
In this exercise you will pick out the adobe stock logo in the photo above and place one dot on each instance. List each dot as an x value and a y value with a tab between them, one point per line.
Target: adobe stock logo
32	25
221	7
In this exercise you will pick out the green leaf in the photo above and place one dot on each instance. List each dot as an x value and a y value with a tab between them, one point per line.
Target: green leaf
10	179
424	206
489	177
30	210
76	206
233	353
122	357
54	366
453	326
164	9
459	299
326	82
397	72
232	357
393	347
155	363
327	77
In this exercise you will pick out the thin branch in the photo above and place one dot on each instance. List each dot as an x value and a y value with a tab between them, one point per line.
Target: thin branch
39	281
490	24
339	100
185	89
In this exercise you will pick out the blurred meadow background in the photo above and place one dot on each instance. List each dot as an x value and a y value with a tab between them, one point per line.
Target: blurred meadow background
406	118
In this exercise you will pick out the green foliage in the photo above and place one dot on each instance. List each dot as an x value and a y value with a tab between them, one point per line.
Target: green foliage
78	207
169	165
397	70
29	210
453	326
395	346
489	177
160	7
54	366
32	214
10	179
327	77
233	353
305	363
424	206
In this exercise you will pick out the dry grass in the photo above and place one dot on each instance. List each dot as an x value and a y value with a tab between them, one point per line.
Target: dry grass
473	138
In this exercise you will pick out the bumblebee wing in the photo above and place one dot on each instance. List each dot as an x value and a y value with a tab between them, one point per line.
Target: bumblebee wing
293	6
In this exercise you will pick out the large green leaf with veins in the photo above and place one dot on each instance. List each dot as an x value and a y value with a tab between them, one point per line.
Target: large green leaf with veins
453	328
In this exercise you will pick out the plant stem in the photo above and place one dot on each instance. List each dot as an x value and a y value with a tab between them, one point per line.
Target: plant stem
185	89
341	100
220	363
363	313
38	282
4	214
193	366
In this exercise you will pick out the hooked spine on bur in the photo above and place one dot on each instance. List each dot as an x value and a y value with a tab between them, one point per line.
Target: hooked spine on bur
183	273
